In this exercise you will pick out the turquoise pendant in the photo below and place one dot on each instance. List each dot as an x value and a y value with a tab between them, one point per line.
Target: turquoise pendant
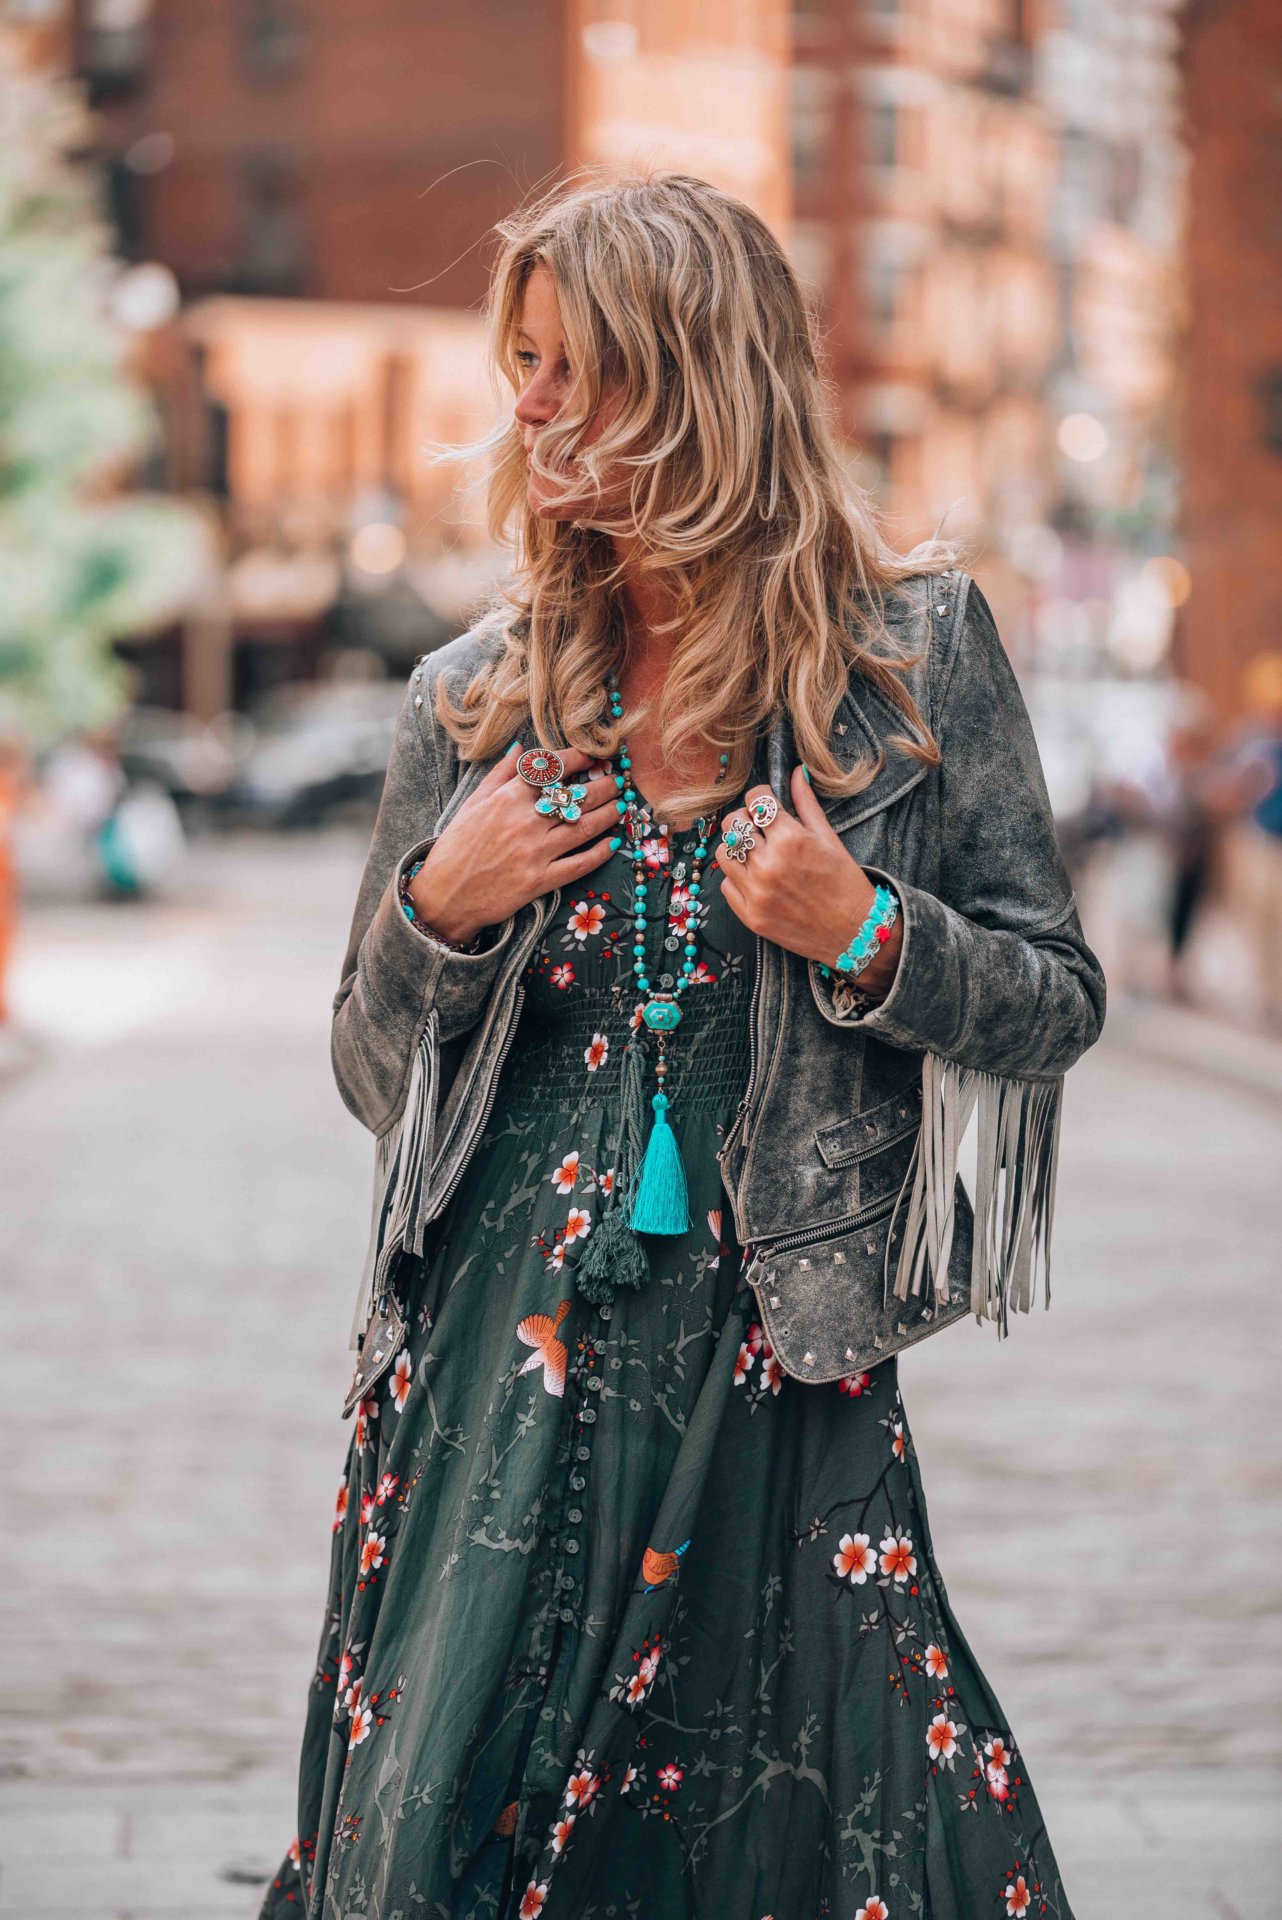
661	1016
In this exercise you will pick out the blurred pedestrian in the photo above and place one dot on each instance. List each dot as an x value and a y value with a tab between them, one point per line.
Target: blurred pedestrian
14	776
1255	761
667	1016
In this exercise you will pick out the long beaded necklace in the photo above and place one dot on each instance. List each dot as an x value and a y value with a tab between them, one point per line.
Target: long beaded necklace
652	1181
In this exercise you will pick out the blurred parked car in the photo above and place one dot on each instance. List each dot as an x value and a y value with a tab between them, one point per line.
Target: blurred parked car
318	751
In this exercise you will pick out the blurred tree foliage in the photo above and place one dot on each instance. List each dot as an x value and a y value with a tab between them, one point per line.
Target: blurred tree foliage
81	563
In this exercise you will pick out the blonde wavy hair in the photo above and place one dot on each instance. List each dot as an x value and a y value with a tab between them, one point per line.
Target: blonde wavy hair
678	303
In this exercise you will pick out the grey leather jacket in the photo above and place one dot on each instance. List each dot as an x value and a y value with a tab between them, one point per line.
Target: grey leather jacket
841	1166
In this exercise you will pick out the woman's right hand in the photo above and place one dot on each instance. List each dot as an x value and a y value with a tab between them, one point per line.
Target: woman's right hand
497	854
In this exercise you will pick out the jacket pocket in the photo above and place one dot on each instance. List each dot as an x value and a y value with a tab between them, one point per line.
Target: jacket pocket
823	1296
876	1145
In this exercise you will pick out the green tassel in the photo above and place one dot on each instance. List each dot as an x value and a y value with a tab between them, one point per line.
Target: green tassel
613	1258
661	1203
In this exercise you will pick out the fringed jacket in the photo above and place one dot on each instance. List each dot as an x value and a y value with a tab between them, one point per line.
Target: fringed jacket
841	1168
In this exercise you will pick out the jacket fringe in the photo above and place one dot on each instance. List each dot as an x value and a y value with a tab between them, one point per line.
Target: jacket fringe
1017	1162
400	1159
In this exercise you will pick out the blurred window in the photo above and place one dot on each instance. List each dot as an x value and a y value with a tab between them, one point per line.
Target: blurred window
810	127
273	35
883	133
115	47
271	258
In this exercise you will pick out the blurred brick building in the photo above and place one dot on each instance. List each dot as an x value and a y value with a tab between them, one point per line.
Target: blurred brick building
1233	360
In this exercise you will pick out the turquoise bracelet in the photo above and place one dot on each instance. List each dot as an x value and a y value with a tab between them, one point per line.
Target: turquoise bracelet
872	935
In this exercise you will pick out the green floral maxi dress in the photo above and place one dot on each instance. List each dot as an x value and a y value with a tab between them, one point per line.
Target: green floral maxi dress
622	1620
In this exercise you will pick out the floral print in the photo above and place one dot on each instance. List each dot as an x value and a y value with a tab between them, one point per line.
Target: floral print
622	1620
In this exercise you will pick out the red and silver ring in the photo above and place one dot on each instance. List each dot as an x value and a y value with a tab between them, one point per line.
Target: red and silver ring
540	767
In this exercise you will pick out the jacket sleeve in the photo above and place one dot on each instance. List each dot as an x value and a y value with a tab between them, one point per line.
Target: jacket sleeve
395	978
994	973
995	987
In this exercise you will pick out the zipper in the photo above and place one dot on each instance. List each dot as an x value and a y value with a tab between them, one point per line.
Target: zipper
740	1112
827	1230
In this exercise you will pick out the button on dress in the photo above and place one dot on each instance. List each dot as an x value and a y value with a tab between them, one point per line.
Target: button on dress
623	1621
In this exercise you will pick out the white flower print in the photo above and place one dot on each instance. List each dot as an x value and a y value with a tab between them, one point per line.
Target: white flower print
941	1737
1018	1898
897	1557
372	1552
597	1052
564	1176
936	1663
854	1559
561	1832
586	918
873	1909
532	1899
578	1225
340	1505
399	1385
362	1721
771	1370
743	1364
579	1788
562	975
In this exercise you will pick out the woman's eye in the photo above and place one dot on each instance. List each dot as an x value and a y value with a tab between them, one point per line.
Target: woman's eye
525	358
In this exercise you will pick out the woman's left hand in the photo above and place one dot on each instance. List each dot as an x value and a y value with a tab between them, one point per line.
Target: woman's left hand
800	888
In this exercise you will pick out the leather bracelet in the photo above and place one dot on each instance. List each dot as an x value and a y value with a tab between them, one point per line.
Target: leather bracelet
430	933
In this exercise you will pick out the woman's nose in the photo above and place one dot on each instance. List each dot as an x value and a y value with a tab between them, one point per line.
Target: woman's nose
536	402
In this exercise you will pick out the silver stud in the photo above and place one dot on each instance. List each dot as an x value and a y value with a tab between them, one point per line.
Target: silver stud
850	1353
878	1342
870	1246
359	1376
900	1327
379	1354
838	1259
803	1263
807	1359
775	1301
841	726
942	607
418	699
928	1313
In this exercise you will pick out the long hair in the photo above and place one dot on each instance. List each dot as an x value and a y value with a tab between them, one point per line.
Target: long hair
678	302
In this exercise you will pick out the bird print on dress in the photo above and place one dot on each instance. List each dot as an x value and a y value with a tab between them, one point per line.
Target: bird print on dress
538	1330
657	1567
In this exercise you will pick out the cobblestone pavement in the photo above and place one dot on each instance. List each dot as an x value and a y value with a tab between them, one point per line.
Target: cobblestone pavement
181	1201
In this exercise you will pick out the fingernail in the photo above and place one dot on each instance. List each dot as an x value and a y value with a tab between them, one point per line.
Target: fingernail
805	772
515	744
615	844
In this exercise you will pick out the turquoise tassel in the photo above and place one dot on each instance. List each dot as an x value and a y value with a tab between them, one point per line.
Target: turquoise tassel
661	1203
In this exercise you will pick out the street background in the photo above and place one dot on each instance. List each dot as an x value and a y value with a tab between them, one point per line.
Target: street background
242	257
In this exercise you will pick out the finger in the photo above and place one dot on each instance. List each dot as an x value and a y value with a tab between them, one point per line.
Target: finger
810	810
573	866
503	770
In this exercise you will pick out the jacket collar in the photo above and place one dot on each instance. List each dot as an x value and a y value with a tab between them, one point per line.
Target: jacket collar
863	726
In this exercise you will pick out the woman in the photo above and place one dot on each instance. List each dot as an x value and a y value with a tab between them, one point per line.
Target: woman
633	1608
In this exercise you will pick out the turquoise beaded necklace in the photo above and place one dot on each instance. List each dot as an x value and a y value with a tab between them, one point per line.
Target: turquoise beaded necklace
652	1182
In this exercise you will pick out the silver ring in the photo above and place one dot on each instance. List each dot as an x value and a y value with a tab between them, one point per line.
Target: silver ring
739	838
763	810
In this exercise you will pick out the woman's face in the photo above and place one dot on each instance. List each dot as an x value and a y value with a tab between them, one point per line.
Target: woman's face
545	385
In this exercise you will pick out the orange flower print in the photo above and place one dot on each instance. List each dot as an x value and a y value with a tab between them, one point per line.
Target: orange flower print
997	1753
399	1385
714	1228
362	1721
597	1052
561	1832
941	1737
936	1663
532	1900
563	976
897	1557
605	1181
998	1784
579	1788
755	1339
771	1371
854	1558
372	1551
538	1330
578	1225
340	1505
1018	1898
386	1488
628	1779
897	1439
564	1176
367	1508
586	917
873	1909
556	1256
743	1364
295	1854
854	1384
703	976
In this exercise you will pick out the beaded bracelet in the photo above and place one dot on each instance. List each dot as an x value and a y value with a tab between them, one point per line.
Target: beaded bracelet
430	933
870	938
